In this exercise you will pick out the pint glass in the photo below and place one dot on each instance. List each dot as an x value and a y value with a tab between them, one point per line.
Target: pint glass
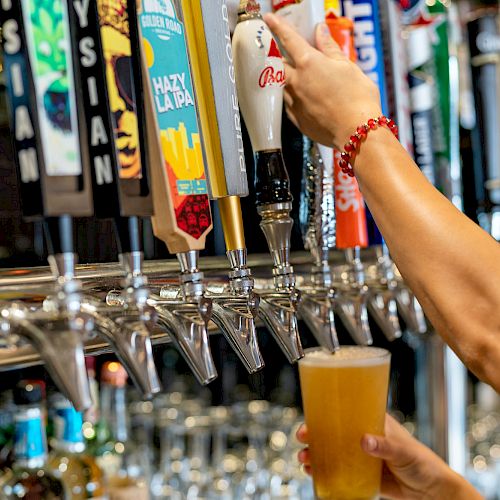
344	396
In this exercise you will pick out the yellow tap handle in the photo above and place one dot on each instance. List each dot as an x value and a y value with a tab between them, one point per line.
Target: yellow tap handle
200	67
230	206
232	222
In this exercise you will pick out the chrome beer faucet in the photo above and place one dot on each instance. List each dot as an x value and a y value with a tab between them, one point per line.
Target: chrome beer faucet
184	312
317	219
58	338
127	320
383	292
121	187
259	81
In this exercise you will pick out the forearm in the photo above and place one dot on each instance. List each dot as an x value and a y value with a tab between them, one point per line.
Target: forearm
456	487
450	263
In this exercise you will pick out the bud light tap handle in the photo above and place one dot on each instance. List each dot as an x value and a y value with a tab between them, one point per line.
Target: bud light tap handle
260	78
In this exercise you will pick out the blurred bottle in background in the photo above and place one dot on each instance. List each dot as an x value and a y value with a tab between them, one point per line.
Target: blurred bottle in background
79	472
123	464
30	477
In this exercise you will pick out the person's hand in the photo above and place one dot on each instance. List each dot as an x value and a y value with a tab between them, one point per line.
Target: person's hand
326	95
411	470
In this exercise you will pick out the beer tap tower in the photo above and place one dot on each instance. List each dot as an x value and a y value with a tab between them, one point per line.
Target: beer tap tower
260	78
55	185
119	194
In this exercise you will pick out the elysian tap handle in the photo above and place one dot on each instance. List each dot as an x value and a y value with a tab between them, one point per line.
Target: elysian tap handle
46	118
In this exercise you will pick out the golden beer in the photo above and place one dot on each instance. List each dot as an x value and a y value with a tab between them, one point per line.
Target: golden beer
344	396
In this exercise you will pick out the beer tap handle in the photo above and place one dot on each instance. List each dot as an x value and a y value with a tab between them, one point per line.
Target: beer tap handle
104	34
46	118
260	79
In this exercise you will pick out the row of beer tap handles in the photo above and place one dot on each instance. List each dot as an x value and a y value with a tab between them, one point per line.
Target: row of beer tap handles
121	129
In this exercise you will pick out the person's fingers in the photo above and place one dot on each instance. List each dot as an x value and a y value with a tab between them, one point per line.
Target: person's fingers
294	45
290	74
304	456
288	99
302	434
390	487
395	453
325	43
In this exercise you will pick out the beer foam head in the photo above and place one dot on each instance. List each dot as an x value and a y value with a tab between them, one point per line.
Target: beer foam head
346	356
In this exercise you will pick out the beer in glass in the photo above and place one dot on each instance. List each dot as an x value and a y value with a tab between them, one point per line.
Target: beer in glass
344	396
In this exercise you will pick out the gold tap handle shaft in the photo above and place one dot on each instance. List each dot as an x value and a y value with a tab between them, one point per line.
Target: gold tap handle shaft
232	222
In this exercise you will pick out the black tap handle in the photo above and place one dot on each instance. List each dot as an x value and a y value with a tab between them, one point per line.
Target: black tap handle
272	184
59	234
128	232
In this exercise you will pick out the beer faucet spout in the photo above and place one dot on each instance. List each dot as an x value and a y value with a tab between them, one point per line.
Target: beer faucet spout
278	310
235	308
235	316
383	308
351	307
316	309
58	338
186	321
127	323
127	328
403	299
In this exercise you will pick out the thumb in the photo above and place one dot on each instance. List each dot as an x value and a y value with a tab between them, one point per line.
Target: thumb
324	41
386	449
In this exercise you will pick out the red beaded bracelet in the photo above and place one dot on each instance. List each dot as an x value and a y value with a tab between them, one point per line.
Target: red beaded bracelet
352	147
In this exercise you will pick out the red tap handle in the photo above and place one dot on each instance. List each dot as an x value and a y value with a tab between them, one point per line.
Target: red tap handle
349	203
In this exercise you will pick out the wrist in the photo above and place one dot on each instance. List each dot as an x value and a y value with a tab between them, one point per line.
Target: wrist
456	487
363	133
351	121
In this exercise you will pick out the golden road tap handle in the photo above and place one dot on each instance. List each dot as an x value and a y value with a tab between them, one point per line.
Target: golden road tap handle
182	210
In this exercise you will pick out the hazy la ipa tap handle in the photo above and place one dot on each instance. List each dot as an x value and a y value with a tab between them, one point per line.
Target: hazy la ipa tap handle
182	210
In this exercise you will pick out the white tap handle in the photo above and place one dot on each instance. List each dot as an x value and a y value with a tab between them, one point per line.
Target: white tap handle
260	78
